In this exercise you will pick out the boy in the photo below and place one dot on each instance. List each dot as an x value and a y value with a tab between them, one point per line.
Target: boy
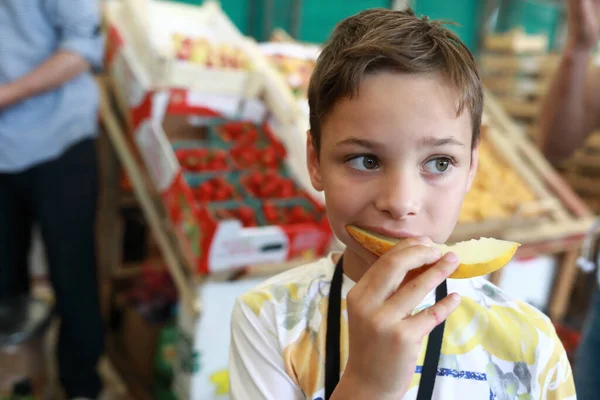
395	112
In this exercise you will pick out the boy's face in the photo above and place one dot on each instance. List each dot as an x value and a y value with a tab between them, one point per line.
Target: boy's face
395	159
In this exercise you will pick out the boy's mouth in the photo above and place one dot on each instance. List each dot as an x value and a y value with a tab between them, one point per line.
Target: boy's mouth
392	233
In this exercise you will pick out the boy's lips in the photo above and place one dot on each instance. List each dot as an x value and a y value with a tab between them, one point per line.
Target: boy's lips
392	233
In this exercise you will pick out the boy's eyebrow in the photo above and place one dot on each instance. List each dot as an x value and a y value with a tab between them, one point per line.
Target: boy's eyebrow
360	142
429	141
439	142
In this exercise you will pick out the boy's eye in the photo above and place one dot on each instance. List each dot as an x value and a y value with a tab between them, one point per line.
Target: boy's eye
438	165
362	163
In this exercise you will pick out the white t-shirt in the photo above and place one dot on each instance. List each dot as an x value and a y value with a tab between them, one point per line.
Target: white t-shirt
494	347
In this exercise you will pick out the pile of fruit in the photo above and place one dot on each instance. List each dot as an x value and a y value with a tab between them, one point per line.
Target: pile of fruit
199	160
216	189
202	52
497	191
296	72
270	184
245	214
251	156
236	171
286	214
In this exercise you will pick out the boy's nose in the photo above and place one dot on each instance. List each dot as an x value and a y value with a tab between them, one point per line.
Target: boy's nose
399	195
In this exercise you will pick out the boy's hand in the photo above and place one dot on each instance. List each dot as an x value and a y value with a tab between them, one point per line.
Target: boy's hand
584	24
385	340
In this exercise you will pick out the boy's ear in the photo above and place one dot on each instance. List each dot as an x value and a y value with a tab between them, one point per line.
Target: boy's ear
312	161
474	164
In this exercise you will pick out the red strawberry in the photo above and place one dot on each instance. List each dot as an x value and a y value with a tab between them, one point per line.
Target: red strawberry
246	215
270	189
287	190
297	214
205	192
270	212
221	194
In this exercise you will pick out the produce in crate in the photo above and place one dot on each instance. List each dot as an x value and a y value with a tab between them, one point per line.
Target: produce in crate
202	52
216	189
245	214
286	214
477	257
270	184
296	72
497	190
248	156
239	132
294	61
202	159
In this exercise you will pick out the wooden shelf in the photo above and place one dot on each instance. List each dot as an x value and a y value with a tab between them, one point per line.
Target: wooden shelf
146	196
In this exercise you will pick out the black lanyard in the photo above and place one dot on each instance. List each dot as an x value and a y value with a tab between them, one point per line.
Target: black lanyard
332	346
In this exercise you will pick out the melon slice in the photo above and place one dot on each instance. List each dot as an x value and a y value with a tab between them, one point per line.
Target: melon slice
477	257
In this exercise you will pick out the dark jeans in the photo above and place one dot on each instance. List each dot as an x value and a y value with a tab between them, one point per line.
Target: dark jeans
61	197
587	363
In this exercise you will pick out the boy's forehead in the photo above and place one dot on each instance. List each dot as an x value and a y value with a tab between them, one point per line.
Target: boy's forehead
413	105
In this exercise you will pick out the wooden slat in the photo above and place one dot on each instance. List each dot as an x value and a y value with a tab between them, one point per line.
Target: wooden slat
593	141
564	285
520	108
506	150
152	214
546	172
510	64
516	41
514	87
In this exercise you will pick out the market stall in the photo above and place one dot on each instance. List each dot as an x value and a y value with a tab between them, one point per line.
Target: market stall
210	129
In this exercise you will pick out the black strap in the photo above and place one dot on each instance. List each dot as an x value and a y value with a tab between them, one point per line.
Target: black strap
332	346
432	355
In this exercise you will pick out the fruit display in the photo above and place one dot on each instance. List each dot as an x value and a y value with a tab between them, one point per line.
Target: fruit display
216	189
244	133
297	72
201	159
284	213
245	214
249	156
477	257
270	184
497	190
237	172
201	51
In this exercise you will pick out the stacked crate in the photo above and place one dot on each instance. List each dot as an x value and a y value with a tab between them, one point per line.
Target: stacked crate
516	68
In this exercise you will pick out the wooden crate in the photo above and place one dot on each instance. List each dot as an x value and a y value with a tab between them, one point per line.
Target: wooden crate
582	170
517	69
562	233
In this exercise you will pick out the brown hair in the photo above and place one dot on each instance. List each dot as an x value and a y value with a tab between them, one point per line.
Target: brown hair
389	40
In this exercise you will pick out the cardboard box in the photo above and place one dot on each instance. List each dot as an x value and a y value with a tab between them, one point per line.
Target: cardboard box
201	367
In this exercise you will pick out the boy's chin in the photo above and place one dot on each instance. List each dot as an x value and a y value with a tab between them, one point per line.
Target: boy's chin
363	254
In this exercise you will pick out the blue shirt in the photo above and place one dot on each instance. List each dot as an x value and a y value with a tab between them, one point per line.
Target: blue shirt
42	127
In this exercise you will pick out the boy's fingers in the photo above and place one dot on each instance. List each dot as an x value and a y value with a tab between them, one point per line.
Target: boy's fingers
385	276
410	295
424	321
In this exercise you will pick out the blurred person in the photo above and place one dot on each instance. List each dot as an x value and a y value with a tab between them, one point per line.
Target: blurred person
570	112
48	171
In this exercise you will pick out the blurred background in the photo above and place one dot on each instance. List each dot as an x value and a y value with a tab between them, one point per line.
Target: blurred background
202	117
